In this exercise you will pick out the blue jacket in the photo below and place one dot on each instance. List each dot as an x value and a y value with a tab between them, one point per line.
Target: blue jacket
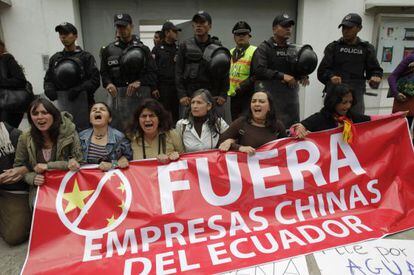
118	145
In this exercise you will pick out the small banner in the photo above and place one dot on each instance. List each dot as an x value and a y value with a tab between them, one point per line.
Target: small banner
211	212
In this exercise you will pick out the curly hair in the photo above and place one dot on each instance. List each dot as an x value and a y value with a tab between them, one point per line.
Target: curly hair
165	121
54	128
271	119
213	119
334	95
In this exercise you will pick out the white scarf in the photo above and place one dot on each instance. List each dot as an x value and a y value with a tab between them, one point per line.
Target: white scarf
6	147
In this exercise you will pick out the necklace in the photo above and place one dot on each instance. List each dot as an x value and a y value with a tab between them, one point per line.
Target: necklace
99	136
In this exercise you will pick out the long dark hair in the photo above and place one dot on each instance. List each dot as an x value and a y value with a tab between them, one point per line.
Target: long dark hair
271	119
164	118
334	95
212	117
54	128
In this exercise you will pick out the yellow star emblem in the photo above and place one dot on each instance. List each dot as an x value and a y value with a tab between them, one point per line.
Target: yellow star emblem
121	187
122	205
76	198
111	220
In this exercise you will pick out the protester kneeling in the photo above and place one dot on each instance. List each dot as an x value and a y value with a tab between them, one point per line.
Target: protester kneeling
103	144
151	133
259	126
336	112
51	143
202	126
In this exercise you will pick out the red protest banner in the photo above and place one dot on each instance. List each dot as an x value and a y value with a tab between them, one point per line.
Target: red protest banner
211	212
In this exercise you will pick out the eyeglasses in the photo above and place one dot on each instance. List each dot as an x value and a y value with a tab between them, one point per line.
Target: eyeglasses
241	34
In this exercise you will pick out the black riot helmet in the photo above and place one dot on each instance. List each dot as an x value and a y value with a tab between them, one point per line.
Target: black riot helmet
302	59
218	59
68	72
132	62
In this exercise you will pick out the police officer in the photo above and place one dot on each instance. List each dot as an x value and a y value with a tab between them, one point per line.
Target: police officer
241	78
157	38
272	68
72	77
164	55
128	71
351	60
202	63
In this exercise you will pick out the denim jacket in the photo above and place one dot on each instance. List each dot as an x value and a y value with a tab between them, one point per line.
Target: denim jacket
118	145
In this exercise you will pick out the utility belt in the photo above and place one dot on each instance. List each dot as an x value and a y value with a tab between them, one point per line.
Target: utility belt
119	84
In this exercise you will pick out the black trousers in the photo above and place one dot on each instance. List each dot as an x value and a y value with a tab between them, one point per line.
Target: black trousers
239	104
168	98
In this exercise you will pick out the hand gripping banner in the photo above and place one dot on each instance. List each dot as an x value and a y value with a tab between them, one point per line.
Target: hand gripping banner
211	212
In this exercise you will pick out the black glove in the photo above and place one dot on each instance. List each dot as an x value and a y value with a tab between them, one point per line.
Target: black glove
73	93
51	94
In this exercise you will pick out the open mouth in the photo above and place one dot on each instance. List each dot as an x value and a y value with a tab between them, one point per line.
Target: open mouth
41	123
148	125
98	116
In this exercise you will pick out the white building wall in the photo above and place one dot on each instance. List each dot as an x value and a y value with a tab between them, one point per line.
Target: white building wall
29	32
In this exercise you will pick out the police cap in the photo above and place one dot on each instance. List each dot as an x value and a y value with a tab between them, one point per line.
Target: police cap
202	16
241	27
283	20
122	19
351	20
66	28
169	26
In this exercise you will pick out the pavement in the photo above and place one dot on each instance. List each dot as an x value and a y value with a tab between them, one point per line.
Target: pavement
12	258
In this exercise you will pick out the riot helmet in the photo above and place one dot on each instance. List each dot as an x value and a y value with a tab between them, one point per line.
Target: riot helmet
132	61
218	59
68	72
302	59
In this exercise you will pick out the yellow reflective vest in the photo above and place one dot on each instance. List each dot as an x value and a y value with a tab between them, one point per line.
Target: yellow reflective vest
240	70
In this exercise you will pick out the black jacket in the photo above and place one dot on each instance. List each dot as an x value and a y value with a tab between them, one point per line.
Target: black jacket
164	56
269	61
110	58
11	74
324	120
91	78
191	70
350	62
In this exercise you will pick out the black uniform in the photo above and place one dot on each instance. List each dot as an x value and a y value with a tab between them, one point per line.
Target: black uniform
165	56
192	73
11	77
72	98
353	63
269	65
122	105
